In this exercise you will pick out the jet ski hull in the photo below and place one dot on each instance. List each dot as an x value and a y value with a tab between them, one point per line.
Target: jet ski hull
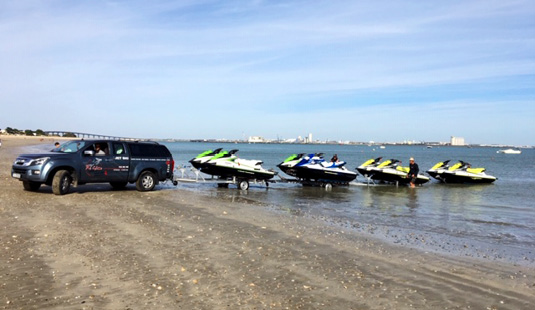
320	174
200	160
437	174
226	165
196	164
391	176
365	171
459	173
241	173
466	177
289	170
389	172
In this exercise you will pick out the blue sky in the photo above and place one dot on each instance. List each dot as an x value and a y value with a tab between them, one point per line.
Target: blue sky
341	70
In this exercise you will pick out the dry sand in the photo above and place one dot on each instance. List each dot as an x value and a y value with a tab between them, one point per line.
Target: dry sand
171	249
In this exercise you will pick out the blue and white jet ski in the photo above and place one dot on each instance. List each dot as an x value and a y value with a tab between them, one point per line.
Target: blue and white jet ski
313	167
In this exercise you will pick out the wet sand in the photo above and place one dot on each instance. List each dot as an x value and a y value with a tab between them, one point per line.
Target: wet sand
98	248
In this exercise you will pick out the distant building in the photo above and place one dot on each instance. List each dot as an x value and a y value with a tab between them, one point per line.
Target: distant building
458	141
255	139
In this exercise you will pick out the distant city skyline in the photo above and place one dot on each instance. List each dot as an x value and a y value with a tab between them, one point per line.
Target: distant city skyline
343	70
453	141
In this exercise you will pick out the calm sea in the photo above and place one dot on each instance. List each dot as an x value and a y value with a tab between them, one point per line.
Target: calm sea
493	222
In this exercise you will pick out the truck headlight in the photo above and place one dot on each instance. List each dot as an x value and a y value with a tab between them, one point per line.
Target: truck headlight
39	161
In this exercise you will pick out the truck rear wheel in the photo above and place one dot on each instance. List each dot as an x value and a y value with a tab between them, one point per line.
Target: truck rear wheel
31	185
61	184
146	181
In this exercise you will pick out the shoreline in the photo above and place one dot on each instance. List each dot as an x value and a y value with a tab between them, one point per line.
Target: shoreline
418	240
96	248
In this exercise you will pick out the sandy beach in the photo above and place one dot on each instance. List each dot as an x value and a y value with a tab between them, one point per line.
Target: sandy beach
98	248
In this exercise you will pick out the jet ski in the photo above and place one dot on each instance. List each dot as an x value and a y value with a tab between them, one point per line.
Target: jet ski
199	160
290	165
388	171
228	165
366	168
437	170
461	172
313	167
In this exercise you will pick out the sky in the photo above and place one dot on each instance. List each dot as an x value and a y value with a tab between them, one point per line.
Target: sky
385	71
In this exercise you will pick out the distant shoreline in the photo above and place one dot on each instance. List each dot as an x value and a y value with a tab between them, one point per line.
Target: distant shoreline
349	143
354	143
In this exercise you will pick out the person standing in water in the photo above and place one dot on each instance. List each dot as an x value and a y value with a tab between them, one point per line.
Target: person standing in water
413	172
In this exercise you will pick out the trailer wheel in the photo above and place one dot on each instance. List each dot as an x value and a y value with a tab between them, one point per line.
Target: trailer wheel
328	186
244	185
61	183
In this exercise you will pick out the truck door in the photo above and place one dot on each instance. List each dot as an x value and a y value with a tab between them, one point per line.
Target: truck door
94	157
105	162
119	163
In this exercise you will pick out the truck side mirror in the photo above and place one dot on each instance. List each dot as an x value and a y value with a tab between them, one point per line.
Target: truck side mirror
89	153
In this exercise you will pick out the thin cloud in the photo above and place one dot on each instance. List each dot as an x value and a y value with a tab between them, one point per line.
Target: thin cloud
256	55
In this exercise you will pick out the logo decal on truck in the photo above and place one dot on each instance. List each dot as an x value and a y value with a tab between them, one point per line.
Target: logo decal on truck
94	165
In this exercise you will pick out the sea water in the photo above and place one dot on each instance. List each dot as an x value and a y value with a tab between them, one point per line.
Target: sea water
491	221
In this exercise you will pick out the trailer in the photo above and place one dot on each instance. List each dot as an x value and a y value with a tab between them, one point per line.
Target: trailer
193	175
327	184
186	174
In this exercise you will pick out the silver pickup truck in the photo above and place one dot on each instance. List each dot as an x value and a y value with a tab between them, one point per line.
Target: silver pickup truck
95	161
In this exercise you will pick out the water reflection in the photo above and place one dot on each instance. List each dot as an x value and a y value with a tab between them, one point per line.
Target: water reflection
389	197
412	201
460	194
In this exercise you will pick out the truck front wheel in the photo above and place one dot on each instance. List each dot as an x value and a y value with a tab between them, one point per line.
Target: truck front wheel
31	185
146	181
61	184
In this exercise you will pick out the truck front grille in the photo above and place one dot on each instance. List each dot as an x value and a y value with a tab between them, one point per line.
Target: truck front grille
21	171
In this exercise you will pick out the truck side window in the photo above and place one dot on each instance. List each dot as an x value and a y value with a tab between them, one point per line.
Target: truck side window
119	148
100	149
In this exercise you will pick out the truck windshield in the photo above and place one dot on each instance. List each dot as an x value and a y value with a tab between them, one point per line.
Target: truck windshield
69	147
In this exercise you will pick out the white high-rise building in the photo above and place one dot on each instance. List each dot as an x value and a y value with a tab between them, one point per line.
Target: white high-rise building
309	138
255	139
459	141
